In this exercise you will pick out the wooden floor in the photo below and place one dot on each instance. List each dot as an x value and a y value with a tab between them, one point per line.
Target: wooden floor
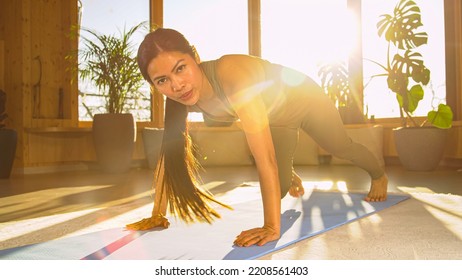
90	197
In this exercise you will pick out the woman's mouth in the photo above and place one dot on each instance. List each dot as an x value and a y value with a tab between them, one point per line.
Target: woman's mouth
186	95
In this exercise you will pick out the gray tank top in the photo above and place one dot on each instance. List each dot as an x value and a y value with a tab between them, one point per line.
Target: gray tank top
284	105
209	69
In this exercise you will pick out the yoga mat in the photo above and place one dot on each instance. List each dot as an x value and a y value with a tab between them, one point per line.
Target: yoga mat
301	218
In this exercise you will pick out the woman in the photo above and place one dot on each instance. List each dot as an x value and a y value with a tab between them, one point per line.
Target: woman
271	101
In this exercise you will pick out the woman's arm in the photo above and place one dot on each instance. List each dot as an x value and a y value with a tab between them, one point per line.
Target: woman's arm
243	89
260	143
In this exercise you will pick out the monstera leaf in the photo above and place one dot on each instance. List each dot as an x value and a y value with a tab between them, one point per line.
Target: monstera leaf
401	27
441	118
334	80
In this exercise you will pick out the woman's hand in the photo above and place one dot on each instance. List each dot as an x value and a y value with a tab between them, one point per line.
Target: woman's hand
258	236
149	223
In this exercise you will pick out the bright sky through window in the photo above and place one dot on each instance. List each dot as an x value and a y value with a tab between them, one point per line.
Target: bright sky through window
301	34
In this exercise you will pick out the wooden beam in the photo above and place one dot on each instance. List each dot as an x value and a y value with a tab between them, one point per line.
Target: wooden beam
254	21
2	65
453	34
156	13
156	8
355	109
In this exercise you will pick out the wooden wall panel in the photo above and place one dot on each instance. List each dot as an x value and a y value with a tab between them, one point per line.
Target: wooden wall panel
55	146
2	65
49	35
11	33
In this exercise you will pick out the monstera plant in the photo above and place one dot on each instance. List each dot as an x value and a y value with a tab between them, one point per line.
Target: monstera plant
334	81
407	75
405	70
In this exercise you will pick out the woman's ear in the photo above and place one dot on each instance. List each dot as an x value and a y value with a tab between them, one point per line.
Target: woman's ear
196	55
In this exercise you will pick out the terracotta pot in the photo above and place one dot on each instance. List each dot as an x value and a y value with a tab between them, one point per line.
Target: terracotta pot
114	137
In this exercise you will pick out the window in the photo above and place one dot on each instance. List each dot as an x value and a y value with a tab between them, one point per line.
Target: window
379	100
214	27
110	17
304	35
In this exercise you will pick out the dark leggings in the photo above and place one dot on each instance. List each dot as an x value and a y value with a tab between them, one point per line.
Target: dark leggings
321	122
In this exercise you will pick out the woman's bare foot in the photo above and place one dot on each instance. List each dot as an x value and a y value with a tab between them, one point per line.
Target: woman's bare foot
378	191
296	189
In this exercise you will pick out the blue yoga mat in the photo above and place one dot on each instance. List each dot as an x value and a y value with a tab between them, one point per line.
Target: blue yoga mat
302	218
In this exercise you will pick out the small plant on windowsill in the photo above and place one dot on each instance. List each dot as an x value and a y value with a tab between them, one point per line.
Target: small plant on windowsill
334	81
405	71
420	147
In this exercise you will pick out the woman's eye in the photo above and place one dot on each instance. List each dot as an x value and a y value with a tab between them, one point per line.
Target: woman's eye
161	81
180	68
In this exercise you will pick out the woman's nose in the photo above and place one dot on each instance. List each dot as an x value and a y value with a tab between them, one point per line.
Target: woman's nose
177	84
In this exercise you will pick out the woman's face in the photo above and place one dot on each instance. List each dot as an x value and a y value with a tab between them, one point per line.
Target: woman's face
177	76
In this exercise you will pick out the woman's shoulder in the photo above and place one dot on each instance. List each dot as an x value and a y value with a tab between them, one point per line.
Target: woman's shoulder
239	59
239	63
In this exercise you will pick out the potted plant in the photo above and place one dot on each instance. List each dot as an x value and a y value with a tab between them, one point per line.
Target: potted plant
8	140
335	83
109	63
420	146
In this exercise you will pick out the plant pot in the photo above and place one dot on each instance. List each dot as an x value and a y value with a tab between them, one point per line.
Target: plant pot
114	137
8	141
420	148
152	141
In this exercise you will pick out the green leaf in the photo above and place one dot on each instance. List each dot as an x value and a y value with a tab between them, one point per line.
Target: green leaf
441	118
414	96
410	99
401	27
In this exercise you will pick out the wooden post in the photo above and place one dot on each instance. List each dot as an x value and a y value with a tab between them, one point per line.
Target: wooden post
157	100
254	21
2	65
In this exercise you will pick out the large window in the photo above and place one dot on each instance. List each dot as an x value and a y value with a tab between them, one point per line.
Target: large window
379	100
214	27
305	34
110	17
302	34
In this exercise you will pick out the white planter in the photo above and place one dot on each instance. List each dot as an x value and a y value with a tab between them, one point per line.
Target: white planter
152	143
420	148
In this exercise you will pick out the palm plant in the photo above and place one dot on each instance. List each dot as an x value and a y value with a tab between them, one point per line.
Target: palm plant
406	72
109	63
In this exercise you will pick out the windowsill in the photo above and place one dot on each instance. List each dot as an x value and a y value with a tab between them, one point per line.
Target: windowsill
54	129
87	126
